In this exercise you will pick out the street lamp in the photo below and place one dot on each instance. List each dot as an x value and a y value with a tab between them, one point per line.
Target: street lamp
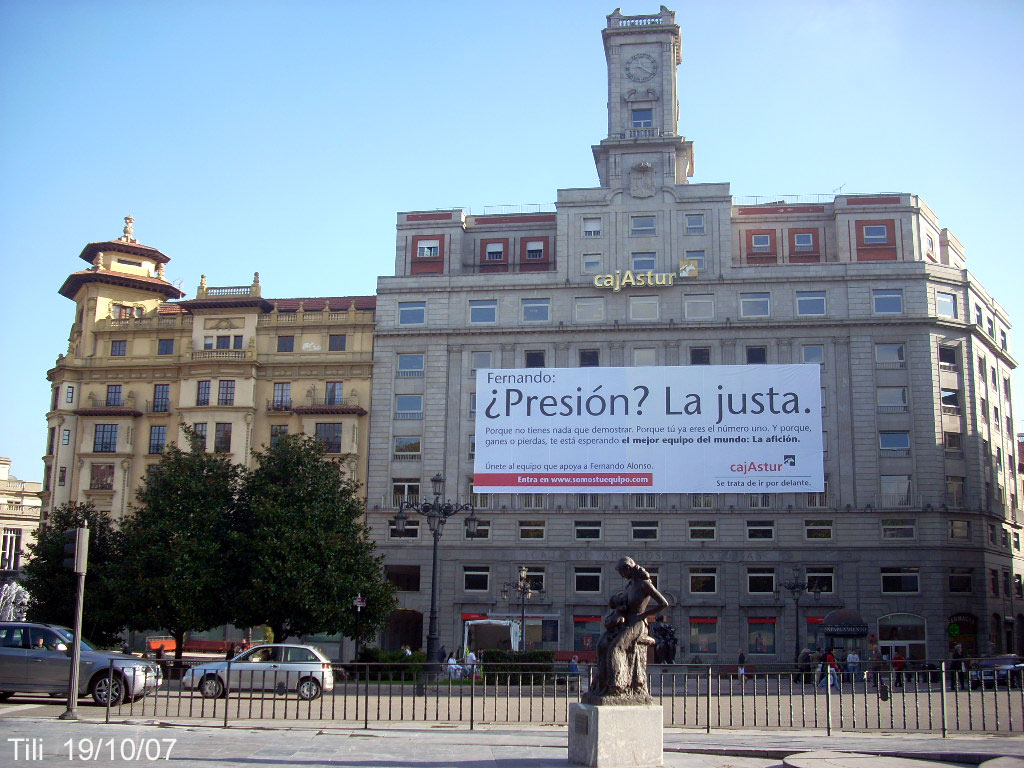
796	588
437	513
523	587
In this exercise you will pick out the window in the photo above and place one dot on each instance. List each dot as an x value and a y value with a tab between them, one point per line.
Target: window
223	342
887	301
226	392
587	578
899	529
703	580
589	309
644	530
591	226
891	399
641	225
644	500
760	529
428	249
695	223
157	438
587	501
536	310
476	578
1002	340
412	530
699	258
890	356
760	580
472	405
876	234
404	578
642	118
480	361
643	356
222	437
285	343
334	393
761	244
531	529
755	305
643	307
534	250
404	490
495	252
895	490
483	531
821	578
803	242
202	393
69	395
409	406
586	529
812	353
105	438
960	529
591	263
62	475
945	305
810	303
336	342
757	355
531	500
700	356
114	396
161	398
642	262
948	358
703	635
702	530
483	311
903	580
894	443
410	365
65	437
817	529
405	448
534	358
200	431
236	342
536	578
329	436
590	358
119	348
282	399
699	307
165	346
101	477
412	312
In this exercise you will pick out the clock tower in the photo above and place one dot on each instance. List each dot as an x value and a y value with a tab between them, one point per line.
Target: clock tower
644	151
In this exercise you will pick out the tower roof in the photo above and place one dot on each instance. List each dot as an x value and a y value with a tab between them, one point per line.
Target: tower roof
76	280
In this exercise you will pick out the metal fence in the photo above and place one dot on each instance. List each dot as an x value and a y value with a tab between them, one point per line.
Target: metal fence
933	698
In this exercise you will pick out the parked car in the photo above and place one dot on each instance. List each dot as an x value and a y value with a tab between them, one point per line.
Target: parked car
275	667
1007	670
36	658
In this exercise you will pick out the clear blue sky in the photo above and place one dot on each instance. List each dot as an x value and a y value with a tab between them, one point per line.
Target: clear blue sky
284	136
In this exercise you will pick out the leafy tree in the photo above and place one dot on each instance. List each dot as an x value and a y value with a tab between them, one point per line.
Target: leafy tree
176	571
302	551
52	587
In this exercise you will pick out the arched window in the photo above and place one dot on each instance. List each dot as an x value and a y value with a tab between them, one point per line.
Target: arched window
903	632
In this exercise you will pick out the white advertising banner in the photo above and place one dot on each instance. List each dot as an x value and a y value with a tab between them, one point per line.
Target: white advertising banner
679	429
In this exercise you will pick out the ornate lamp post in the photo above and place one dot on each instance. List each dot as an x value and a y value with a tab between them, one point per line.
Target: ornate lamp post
437	513
523	587
796	588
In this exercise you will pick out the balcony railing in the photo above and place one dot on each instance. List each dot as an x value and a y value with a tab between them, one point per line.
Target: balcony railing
223	354
539	265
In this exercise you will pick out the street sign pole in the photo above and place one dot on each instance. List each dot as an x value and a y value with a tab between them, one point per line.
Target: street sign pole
359	603
78	548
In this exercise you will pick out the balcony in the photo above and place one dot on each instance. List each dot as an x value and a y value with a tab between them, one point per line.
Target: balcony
317	405
478	268
223	354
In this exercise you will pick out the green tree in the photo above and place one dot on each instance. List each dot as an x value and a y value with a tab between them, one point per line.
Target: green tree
52	587
176	571
302	551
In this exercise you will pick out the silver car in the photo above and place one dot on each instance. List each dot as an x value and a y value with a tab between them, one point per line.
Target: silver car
275	667
36	658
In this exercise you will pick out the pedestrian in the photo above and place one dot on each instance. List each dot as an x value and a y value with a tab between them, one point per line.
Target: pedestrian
816	665
442	655
454	670
853	665
470	664
956	671
831	670
406	650
741	666
899	663
573	678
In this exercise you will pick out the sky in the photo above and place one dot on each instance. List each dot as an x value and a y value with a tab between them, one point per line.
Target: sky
283	137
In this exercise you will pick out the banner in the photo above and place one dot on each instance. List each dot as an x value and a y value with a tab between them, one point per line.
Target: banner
679	429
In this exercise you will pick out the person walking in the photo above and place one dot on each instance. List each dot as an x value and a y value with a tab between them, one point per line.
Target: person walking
816	667
899	663
830	671
741	667
956	671
853	665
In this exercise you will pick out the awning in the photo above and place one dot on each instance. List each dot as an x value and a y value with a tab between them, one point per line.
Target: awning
844	622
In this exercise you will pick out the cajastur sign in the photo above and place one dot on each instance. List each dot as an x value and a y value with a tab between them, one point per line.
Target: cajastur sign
629	278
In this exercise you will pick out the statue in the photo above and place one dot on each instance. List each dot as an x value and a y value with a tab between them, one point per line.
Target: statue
665	641
620	677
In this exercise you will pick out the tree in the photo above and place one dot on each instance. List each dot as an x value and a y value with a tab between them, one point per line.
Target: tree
52	587
303	553
177	572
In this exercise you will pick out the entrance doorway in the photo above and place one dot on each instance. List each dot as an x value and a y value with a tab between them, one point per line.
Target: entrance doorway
404	627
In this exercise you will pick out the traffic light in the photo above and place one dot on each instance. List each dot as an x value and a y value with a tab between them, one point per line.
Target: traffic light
76	547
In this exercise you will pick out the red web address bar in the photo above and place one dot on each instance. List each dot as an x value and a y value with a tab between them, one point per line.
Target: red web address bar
528	479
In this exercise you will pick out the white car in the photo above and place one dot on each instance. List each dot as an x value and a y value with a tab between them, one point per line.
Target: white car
277	667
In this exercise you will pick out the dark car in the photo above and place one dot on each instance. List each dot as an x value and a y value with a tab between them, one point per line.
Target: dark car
35	658
1007	670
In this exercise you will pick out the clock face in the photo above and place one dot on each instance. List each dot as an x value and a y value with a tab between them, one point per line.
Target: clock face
640	68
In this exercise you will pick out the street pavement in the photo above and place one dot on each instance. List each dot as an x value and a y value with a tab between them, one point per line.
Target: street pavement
51	742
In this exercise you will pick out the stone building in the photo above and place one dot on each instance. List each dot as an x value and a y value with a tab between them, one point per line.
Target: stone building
240	368
20	508
917	532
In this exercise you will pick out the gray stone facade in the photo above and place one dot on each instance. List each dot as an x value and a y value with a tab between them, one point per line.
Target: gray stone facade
918	530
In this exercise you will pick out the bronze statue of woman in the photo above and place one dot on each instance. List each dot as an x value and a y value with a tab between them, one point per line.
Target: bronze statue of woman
621	673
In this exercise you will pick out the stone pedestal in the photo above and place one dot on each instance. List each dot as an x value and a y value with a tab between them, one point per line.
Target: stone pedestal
615	737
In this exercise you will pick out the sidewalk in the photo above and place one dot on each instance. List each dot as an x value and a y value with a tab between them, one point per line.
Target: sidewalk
294	746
